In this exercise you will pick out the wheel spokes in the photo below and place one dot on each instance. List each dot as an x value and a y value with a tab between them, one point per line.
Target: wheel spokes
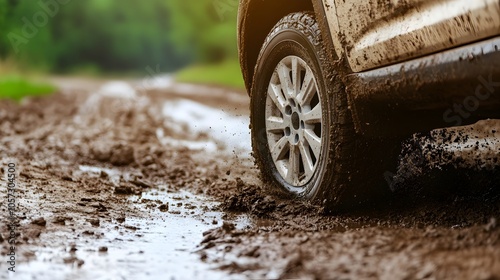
308	89
293	165
313	116
275	124
274	92
278	151
313	141
284	78
296	75
307	160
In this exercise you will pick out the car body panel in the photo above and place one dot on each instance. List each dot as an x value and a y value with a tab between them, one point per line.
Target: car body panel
373	34
459	86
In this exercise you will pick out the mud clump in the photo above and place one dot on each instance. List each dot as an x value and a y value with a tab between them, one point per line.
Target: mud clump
249	198
101	151
124	189
122	155
60	220
31	234
118	154
39	222
94	222
103	249
73	260
227	229
163	207
465	157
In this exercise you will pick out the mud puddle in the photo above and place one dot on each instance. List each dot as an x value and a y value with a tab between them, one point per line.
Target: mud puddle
109	189
227	131
160	243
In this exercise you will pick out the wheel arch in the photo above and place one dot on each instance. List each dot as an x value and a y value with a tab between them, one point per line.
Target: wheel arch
256	18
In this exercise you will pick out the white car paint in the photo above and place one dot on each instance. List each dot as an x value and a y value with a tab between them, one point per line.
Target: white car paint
377	33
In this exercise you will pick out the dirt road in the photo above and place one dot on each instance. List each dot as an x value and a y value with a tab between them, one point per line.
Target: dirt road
116	180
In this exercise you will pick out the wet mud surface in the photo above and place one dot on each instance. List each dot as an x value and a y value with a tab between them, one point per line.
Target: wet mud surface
118	182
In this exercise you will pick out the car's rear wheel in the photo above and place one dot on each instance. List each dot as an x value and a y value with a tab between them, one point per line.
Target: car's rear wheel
303	136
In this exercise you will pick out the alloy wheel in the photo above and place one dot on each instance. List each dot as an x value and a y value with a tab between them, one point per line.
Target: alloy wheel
294	121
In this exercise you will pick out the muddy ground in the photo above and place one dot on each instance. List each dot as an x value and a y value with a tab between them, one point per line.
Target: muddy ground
120	181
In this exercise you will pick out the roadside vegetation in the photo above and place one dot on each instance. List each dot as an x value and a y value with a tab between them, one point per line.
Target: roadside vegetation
99	37
16	87
17	82
227	74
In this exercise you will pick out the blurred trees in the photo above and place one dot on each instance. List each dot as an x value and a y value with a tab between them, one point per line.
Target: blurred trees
204	29
116	35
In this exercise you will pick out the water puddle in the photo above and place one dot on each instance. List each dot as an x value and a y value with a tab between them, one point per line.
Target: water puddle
161	243
227	130
207	146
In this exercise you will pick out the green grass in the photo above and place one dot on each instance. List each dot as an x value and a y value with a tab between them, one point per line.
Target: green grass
227	74
15	87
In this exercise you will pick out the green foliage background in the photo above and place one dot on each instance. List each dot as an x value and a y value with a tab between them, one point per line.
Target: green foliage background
117	35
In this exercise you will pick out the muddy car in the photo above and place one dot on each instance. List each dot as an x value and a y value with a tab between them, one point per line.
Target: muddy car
336	85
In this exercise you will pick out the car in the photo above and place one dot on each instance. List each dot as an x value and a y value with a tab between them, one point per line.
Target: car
335	86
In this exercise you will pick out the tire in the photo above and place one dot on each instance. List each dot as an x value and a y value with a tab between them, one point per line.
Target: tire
284	121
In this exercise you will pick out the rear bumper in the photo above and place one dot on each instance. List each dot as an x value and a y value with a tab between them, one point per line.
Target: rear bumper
456	87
